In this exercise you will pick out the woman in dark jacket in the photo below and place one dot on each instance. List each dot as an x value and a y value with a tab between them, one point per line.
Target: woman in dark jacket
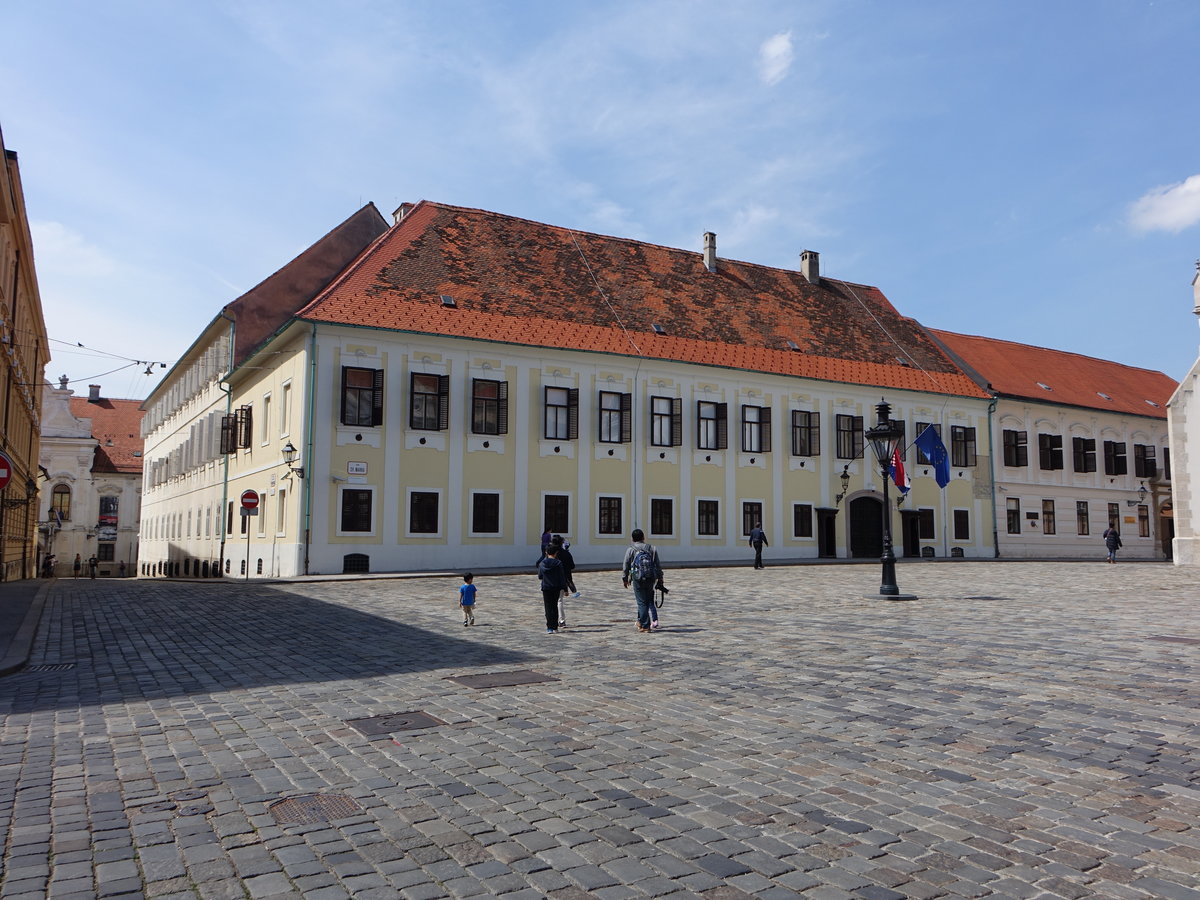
1112	540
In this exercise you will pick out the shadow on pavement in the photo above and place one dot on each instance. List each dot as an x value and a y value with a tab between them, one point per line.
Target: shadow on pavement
143	640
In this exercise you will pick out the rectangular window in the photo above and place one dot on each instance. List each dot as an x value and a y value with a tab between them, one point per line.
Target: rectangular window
485	513
751	516
244	422
849	436
1167	463
356	510
1016	451
802	520
1050	454
1143	520
926	524
616	417
1082	525
608	518
806	433
266	419
106	552
489	406
60	502
1114	458
1144	463
756	429
429	402
1013	512
962	525
1083	454
562	414
285	409
962	446
362	396
557	508
708	517
1114	514
662	515
1049	526
666	421
280	513
423	512
712	425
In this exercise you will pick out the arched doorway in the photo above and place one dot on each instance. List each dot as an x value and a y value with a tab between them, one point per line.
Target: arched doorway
866	527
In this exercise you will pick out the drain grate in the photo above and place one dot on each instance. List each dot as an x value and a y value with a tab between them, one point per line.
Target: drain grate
1175	639
51	667
313	809
378	726
502	679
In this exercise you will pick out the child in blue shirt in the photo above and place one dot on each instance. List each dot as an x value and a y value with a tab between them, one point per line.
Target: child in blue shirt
466	599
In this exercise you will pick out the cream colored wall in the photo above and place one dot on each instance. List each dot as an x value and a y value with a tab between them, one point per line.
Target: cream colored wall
1031	484
522	466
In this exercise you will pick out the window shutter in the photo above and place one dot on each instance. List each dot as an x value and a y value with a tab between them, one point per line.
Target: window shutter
572	414
626	418
722	426
342	416
376	398
677	422
502	409
443	402
228	435
764	418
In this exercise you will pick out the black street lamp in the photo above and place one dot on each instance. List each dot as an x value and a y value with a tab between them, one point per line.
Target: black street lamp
884	438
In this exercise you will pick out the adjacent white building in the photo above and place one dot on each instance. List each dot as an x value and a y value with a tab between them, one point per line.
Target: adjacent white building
1183	416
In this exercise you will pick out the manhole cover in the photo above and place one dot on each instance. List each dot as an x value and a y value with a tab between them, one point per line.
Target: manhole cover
313	809
189	794
502	679
1175	640
50	667
376	726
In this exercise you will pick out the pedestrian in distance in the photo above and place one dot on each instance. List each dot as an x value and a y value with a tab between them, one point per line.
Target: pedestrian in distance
48	566
77	565
1112	540
554	582
121	569
568	564
92	564
466	599
642	571
758	540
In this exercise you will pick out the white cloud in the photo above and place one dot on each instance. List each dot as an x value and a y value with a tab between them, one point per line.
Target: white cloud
1172	207
775	58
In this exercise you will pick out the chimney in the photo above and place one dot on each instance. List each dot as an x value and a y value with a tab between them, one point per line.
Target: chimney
810	266
93	393
710	251
400	212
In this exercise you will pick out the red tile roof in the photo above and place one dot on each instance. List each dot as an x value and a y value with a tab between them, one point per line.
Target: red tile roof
1015	370
522	282
118	421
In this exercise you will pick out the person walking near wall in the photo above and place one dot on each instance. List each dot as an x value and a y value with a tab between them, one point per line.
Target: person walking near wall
554	582
1112	540
77	565
758	540
643	570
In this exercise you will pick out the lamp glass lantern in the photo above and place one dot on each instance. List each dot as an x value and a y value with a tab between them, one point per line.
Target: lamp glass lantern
289	457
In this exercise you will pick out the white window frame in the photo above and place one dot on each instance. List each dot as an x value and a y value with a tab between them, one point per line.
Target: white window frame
342	488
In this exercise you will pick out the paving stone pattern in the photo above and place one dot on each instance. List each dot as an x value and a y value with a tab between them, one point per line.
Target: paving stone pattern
1021	731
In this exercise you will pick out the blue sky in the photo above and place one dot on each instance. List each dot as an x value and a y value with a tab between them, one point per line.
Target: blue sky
1026	171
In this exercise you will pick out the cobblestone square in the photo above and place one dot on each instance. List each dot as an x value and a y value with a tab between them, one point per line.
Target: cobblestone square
1022	730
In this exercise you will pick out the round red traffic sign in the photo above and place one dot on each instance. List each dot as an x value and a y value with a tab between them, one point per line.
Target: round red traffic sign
249	500
5	471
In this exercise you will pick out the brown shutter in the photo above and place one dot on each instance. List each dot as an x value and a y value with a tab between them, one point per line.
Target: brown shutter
573	414
722	426
376	398
342	417
443	402
502	409
626	418
677	422
764	418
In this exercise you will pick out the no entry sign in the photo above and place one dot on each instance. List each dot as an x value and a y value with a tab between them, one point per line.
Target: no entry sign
250	500
5	471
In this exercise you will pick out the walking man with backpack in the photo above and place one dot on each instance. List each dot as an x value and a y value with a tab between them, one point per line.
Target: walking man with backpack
643	571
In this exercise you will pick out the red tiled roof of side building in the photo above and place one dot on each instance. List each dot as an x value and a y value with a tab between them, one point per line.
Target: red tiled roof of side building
522	282
1015	370
119	421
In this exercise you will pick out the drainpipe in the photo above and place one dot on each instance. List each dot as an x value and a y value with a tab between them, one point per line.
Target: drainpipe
308	441
992	459
225	456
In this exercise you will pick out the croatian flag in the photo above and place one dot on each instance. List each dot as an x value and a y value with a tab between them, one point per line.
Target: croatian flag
898	474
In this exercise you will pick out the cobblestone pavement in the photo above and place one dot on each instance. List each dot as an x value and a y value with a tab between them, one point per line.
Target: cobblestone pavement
1023	730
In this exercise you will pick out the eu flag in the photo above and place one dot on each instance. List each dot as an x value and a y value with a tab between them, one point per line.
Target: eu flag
930	443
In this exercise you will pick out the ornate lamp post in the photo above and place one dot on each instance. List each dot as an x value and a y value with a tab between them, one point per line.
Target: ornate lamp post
884	438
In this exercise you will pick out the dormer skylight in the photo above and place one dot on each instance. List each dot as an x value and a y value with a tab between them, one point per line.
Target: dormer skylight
1152	403
447	300
792	345
1044	387
1104	395
658	329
